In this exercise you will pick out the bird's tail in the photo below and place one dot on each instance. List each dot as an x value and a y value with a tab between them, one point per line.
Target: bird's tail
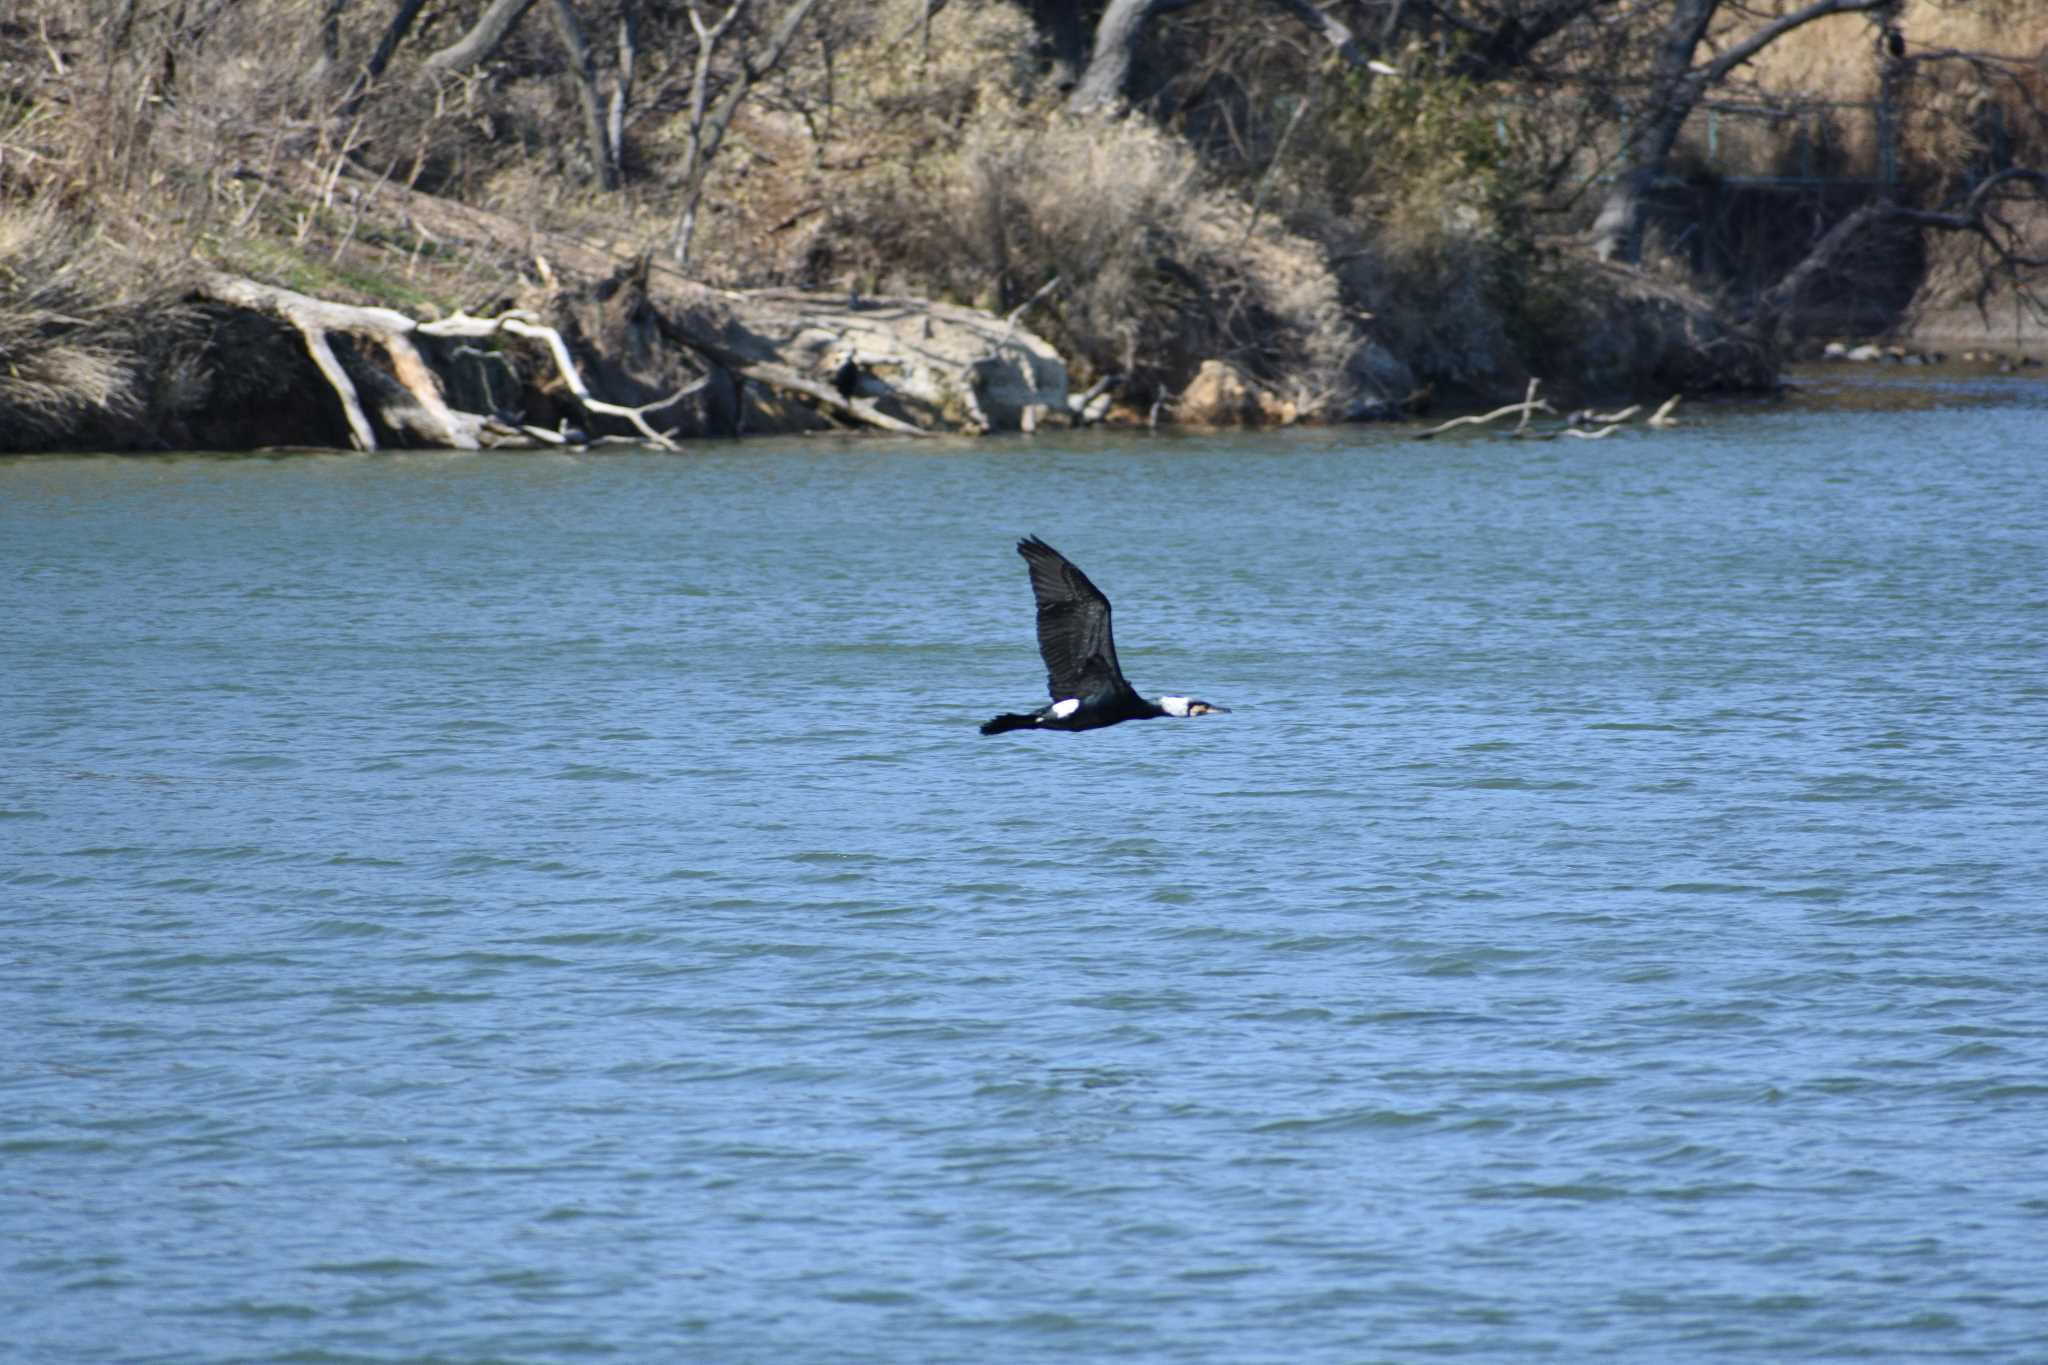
1004	724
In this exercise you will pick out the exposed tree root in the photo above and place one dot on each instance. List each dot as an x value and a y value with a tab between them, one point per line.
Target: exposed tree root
523	324
432	421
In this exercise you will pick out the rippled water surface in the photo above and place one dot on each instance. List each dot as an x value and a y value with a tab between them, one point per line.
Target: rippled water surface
541	907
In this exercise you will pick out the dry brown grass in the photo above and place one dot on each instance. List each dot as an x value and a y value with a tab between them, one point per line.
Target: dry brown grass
1978	75
1834	58
65	334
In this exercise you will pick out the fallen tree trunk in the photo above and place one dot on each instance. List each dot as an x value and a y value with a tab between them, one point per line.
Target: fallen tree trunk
903	366
419	407
1584	425
318	319
640	334
893	363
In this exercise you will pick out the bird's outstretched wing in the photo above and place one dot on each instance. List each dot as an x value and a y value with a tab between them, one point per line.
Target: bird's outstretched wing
1073	625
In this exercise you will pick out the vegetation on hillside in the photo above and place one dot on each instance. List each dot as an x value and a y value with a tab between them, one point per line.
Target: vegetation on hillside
1354	202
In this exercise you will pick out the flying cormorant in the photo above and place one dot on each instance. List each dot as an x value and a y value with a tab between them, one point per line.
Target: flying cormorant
1088	689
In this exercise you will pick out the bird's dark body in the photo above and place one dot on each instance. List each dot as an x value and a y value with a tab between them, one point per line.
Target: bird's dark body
1093	714
1081	671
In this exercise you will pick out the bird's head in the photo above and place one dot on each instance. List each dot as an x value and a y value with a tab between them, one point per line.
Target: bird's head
1188	706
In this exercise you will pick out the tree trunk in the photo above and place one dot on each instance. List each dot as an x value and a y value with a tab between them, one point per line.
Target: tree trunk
583	70
1778	303
482	39
1116	38
622	85
1674	90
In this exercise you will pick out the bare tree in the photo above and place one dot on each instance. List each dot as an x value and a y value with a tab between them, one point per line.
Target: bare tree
380	58
1984	213
710	118
603	128
1678	82
583	70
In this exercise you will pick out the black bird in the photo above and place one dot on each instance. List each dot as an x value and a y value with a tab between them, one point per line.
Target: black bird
1088	689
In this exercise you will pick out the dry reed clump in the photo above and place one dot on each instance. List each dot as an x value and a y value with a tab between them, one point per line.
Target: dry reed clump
68	342
1084	204
93	358
1157	271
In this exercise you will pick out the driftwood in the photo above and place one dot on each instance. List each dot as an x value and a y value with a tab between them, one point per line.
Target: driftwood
317	320
1584	425
905	366
1528	407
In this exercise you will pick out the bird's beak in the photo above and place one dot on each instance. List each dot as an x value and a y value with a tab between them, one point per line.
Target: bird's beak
1215	710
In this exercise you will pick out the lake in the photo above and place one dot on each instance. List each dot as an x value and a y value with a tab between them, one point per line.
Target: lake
549	906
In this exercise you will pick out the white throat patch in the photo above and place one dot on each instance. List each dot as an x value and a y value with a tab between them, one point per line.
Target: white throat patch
1062	709
1174	706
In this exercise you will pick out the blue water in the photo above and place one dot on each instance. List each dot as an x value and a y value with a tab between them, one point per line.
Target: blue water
557	906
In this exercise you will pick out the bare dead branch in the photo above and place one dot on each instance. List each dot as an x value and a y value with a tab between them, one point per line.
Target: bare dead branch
1529	406
524	324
